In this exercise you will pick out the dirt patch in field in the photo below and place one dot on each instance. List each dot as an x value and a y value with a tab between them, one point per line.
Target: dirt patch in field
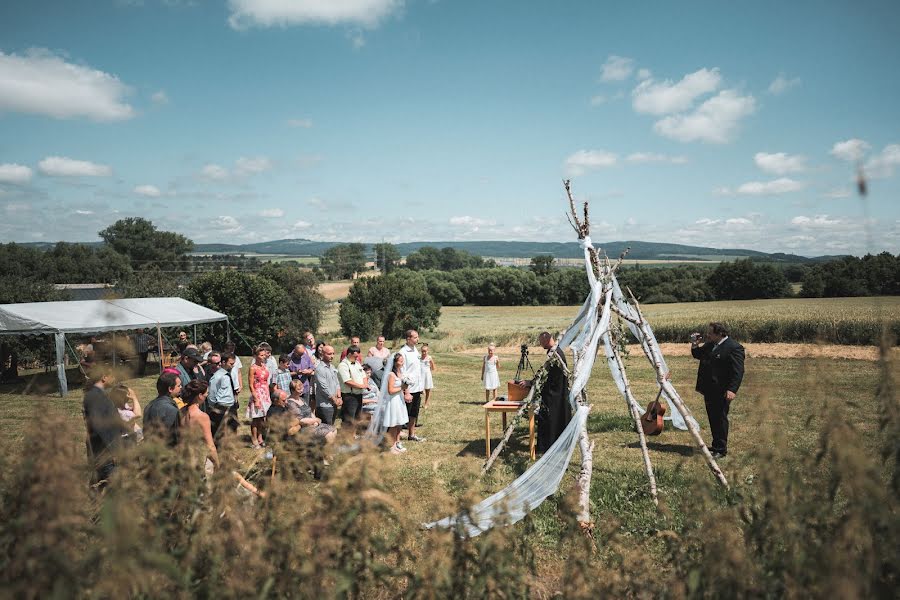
833	351
335	290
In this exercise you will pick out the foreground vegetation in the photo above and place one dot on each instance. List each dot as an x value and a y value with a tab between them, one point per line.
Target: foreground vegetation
812	511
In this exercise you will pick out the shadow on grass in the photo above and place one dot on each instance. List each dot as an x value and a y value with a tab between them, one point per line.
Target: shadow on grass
680	449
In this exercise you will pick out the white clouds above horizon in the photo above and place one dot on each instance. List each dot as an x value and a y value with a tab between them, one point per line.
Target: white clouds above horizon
583	161
42	83
227	224
666	97
716	121
15	173
780	163
148	191
61	166
782	83
272	213
616	68
302	123
243	167
160	97
284	13
883	164
850	150
782	185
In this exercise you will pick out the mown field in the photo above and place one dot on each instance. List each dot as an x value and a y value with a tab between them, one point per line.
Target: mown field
809	320
811	508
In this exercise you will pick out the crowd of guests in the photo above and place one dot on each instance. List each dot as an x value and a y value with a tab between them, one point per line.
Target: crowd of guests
302	394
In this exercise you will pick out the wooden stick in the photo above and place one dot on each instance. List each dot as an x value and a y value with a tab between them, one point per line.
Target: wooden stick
672	395
636	416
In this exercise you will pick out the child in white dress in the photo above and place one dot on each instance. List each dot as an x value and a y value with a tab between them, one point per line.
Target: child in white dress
489	374
427	370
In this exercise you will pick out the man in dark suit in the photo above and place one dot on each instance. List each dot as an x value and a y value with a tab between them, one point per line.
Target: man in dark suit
718	379
555	410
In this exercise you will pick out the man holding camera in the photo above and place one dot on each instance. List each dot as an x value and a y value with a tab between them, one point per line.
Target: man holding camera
718	379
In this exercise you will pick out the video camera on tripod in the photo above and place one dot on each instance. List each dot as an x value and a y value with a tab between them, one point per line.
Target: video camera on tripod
515	390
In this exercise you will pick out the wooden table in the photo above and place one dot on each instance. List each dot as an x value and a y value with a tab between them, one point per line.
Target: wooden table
502	407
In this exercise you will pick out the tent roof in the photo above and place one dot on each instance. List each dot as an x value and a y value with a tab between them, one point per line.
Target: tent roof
90	316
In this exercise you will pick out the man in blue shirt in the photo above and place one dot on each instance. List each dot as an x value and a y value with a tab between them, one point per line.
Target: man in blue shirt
221	394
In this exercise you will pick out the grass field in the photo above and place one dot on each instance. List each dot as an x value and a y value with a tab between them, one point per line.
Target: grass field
776	449
463	326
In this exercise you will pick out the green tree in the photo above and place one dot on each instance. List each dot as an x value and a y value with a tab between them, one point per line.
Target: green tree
389	305
306	303
344	261
542	265
256	306
746	280
387	257
147	247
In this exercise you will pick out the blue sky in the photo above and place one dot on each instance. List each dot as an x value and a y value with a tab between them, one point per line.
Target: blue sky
708	123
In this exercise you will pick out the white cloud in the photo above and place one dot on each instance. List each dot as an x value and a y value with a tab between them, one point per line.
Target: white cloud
883	164
616	68
715	121
150	191
283	13
227	224
651	157
850	150
781	84
644	74
666	97
60	166
160	97
782	185
41	83
598	100
272	213
252	166
302	225
13	173
780	163
214	172
84	212
467	221
587	160
816	222
304	123
838	193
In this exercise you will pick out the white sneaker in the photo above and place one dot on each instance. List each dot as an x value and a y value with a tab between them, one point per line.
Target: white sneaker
400	447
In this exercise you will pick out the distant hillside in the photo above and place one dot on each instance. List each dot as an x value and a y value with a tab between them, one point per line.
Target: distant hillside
639	250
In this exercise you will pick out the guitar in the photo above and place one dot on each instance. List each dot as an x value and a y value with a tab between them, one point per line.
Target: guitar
652	420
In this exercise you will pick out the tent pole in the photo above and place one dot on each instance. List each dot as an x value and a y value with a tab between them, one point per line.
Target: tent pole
159	347
195	336
60	363
227	330
114	349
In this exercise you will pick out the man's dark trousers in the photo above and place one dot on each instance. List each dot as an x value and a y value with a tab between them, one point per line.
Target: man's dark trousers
717	411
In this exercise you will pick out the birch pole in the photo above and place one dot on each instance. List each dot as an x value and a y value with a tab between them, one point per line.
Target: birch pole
636	416
672	395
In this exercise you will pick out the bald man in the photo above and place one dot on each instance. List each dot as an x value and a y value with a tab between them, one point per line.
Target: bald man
328	387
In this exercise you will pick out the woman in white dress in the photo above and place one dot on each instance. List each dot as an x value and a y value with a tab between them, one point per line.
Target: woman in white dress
489	374
427	369
395	415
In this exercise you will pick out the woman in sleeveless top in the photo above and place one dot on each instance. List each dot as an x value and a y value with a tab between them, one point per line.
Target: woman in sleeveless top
195	421
260	400
394	415
489	374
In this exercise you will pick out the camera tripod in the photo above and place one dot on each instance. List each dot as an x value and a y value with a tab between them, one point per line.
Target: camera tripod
524	363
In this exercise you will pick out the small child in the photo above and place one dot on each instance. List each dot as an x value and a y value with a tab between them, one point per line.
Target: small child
282	377
427	370
490	375
370	396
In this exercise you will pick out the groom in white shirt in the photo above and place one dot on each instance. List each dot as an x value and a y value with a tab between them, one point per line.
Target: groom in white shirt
412	376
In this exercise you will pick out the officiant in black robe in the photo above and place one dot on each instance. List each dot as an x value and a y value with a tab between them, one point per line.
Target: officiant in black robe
555	410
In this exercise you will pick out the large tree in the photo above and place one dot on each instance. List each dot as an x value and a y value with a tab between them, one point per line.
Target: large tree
344	261
389	305
146	246
387	257
306	303
542	264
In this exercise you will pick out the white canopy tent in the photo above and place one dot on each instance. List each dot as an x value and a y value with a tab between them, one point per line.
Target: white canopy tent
96	316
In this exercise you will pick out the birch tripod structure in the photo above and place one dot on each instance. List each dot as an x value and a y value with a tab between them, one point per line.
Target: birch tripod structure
591	327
